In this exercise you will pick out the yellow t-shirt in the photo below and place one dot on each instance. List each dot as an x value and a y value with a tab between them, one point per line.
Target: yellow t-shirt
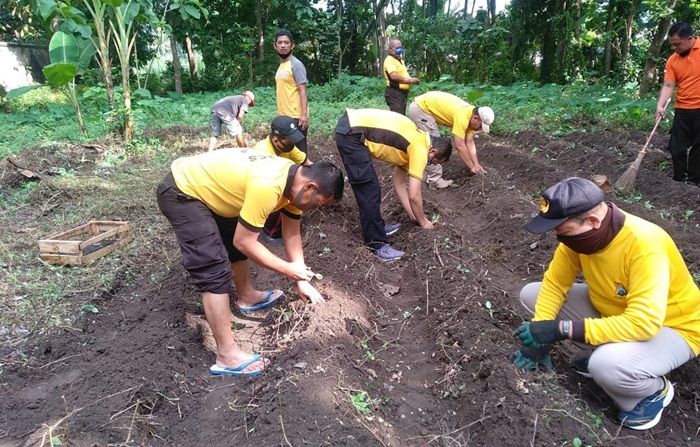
238	183
638	283
289	75
392	64
393	138
265	146
449	110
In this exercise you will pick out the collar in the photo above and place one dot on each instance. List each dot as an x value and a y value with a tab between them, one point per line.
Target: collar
396	57
290	179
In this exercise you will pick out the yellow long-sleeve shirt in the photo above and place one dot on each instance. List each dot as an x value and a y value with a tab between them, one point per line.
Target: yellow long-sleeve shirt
638	283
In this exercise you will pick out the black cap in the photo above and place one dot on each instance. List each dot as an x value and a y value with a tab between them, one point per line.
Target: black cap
285	126
568	198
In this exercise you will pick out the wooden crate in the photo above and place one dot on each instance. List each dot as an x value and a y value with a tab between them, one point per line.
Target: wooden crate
86	242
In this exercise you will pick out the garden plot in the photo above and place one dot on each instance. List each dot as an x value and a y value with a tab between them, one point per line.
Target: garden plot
409	353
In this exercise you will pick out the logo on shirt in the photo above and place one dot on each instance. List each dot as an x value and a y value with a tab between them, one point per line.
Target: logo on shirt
620	290
544	205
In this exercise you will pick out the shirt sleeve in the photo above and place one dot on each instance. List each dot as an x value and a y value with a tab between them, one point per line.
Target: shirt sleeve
558	279
292	211
390	65
460	127
296	155
299	72
417	160
645	310
669	74
260	201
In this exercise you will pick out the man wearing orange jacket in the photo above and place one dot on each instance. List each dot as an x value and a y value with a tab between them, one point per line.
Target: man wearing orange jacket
639	308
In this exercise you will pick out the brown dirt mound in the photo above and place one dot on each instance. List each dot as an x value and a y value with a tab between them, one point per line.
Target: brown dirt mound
420	345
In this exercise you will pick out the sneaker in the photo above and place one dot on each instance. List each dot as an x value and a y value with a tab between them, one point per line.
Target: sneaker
391	228
269	240
581	367
647	413
388	253
441	183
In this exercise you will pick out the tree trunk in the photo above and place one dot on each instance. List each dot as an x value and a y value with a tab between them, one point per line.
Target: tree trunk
339	25
260	29
190	58
649	74
106	65
176	65
491	8
607	60
381	37
563	38
628	33
126	97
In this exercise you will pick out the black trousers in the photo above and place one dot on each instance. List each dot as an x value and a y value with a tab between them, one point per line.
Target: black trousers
684	145
396	99
205	239
365	184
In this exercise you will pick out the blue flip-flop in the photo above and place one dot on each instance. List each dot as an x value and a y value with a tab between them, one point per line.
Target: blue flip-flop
217	370
268	301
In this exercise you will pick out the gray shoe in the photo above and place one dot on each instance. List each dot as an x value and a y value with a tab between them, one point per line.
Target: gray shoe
269	240
391	228
388	253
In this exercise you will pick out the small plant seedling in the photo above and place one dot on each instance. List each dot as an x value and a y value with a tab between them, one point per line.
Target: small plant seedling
325	251
696	277
687	215
361	402
55	441
595	418
648	205
87	307
436	218
462	269
489	308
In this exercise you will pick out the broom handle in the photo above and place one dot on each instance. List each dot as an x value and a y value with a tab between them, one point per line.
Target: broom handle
658	120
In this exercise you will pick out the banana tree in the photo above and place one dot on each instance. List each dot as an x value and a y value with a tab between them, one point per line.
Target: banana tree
122	24
69	57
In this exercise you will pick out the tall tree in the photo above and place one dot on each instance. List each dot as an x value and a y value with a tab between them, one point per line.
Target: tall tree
650	74
607	59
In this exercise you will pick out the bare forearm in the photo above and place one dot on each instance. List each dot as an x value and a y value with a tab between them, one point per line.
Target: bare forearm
399	180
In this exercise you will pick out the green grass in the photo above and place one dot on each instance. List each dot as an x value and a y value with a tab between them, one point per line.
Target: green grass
44	116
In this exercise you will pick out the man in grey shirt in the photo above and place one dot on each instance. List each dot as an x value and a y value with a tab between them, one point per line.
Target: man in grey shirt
229	112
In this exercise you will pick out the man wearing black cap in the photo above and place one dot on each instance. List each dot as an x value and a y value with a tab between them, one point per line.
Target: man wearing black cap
284	135
639	308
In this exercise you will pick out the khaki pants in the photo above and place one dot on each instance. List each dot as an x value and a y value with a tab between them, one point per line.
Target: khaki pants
627	371
426	122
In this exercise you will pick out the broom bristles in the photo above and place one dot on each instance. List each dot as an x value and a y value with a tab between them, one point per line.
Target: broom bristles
627	180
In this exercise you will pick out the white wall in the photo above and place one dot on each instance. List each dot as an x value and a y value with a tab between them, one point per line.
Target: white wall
20	64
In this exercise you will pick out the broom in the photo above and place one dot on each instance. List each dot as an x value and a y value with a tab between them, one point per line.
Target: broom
625	184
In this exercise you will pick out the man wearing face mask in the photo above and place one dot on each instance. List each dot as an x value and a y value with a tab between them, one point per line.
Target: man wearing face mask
683	70
284	134
290	82
639	308
398	82
364	134
217	203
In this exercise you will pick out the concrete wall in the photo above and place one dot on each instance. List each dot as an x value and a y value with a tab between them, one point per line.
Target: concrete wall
21	64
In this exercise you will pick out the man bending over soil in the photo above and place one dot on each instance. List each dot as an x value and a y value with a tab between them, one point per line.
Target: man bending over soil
217	203
229	113
393	138
639	308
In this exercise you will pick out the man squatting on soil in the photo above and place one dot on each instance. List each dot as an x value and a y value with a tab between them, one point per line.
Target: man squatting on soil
639	308
433	108
230	112
217	203
683	70
388	136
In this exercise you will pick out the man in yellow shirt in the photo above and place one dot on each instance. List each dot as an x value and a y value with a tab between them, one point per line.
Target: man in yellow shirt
217	203
433	108
290	81
284	134
398	82
639	308
364	134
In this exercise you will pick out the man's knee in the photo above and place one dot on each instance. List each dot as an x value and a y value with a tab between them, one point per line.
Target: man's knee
528	296
612	368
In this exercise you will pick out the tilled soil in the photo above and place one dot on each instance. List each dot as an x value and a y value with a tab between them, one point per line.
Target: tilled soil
414	352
